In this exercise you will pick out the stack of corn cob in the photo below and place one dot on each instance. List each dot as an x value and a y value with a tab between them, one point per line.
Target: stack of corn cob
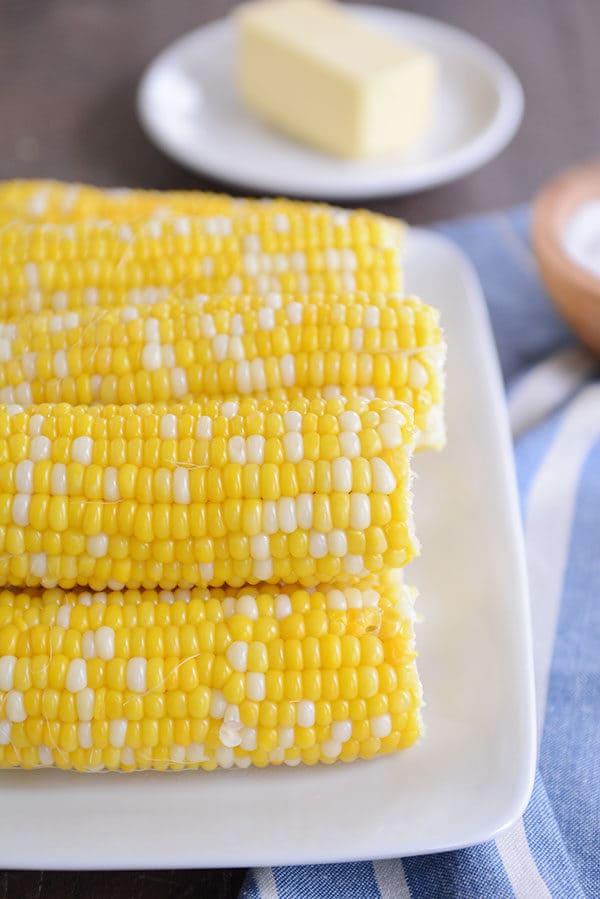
208	408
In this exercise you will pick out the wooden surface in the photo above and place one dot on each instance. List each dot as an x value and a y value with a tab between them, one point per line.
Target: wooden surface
68	72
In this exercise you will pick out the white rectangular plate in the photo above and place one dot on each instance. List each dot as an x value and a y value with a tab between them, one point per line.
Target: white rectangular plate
467	779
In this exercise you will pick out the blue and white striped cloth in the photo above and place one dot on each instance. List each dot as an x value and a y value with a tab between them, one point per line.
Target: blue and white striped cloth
554	403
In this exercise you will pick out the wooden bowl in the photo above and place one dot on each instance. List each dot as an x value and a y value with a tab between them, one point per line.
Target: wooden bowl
574	290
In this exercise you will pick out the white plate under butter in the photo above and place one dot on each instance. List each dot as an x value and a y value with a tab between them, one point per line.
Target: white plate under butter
187	103
472	774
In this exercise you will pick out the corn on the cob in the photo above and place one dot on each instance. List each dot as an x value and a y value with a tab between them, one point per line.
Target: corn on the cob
102	263
382	344
206	679
54	201
203	494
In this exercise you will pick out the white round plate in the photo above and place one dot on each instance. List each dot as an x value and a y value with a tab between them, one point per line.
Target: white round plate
188	104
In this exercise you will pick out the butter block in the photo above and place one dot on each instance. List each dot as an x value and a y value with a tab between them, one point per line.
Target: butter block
317	73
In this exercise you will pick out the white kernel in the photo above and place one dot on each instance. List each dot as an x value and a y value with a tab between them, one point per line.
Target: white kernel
224	757
137	669
234	284
348	282
292	420
85	700
15	706
341	730
23	394
341	470
31	274
337	543
151	357
218	704
29	363
360	511
152	330
417	375
63	616
81	450
304	511
350	421
228	606
283	606
243	379
59	364
317	545
97	545
117	732
128	757
111	484
274	300
207	571
207	324
7	395
391	435
277	755
7	672
195	753
256	687
298	261
294	313
293	446
292	763
88	645
105	643
371	317
95	384
237	449
237	655
252	243
181	486
285	737
281	222
251	264
349	260
258	375
236	328
129	314
76	676
246	605
270	522
40	448
280	263
235	349
383	476
255	448
287	368
266	318
357	339
36	423
286	514
305	713
354	598
20	509
168	426
353	564
331	749
336	599
204	427
229	409
24	476
349	444
179	382
230	735
5	732
45	755
381	726
393	415
39	564
259	546
262	569
332	258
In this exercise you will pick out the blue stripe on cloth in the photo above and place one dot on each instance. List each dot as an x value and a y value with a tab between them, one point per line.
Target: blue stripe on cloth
525	326
249	888
530	450
356	880
465	874
570	752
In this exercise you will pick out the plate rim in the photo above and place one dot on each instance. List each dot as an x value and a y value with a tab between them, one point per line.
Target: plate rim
519	797
488	143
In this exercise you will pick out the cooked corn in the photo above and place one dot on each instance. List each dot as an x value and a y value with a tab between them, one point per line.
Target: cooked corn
207	678
383	344
56	201
203	494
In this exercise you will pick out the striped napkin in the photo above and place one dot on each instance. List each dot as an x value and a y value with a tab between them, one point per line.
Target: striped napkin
554	405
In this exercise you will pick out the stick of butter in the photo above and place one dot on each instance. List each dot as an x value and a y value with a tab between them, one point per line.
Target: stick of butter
319	74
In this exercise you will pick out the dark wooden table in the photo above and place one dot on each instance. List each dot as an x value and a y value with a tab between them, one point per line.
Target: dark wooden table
68	72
